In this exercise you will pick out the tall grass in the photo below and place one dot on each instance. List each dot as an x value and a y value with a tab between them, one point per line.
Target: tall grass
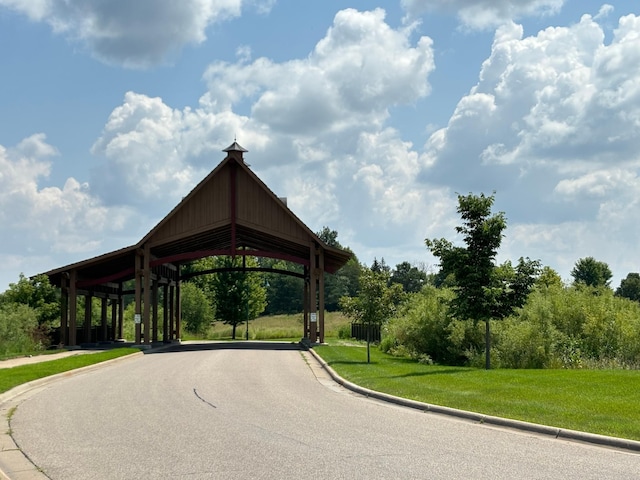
276	327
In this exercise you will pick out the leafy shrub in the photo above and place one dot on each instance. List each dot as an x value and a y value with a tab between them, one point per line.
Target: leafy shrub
344	331
18	329
197	311
520	344
424	327
557	327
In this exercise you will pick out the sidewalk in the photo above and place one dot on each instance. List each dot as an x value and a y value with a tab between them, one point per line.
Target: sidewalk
31	359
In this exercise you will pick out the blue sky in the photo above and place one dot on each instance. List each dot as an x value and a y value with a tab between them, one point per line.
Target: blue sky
370	117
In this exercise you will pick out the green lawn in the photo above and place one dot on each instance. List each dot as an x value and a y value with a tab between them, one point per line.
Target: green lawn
12	377
595	401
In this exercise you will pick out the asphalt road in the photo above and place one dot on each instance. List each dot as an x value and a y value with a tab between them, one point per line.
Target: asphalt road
258	411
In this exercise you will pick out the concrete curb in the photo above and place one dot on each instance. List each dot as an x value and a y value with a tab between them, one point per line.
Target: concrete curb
555	432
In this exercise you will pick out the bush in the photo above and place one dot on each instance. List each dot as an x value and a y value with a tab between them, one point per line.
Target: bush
19	329
557	327
424	327
344	331
520	344
197	312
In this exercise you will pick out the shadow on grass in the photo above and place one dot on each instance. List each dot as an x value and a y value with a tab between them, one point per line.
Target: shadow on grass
352	362
447	371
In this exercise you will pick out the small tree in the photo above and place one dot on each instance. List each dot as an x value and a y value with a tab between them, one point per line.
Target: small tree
589	271
239	295
197	311
473	265
376	302
344	282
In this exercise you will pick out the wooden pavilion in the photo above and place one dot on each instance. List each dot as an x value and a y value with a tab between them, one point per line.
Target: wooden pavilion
231	212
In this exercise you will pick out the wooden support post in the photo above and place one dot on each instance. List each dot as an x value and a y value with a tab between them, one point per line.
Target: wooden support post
172	311
313	284
305	302
146	292
103	320
321	295
64	309
178	310
165	313
138	298
73	310
154	317
114	317
88	301
120	333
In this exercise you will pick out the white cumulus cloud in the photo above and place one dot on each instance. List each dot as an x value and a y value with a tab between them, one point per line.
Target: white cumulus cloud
138	33
481	14
48	220
552	127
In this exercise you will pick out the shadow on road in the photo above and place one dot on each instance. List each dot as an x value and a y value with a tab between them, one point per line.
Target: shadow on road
239	345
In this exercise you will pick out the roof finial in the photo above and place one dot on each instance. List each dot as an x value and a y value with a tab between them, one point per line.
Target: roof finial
234	147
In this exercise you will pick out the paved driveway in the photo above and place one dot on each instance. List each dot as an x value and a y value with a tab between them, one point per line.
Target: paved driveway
257	411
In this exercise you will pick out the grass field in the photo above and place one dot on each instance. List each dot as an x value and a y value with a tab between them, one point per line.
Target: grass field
274	327
595	401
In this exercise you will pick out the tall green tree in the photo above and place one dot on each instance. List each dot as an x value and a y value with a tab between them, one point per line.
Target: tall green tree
630	287
549	278
375	304
344	282
284	292
473	265
328	236
380	266
240	296
592	273
410	277
511	286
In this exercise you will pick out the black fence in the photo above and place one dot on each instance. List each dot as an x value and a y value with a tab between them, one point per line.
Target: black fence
359	332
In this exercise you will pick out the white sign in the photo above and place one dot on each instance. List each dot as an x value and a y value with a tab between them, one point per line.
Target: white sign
314	317
137	318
